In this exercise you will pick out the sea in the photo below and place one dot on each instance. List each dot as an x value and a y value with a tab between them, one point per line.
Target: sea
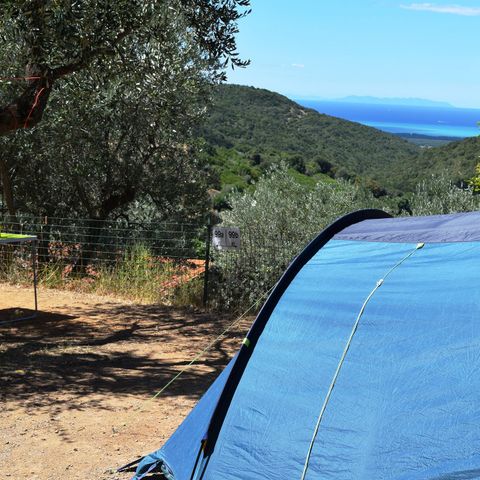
432	121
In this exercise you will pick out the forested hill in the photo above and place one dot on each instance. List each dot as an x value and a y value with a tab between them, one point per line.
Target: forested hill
250	128
458	159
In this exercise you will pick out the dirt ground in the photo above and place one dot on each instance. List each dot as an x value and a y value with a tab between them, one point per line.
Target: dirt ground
75	382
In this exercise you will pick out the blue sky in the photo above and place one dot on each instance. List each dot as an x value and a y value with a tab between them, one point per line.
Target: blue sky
384	48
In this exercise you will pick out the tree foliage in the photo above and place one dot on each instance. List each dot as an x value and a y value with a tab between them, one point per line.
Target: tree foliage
135	77
277	220
46	40
124	151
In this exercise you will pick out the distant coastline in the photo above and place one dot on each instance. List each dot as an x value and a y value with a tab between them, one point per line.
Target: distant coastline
428	137
440	123
427	140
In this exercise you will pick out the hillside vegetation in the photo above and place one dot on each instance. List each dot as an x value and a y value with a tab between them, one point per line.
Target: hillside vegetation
458	159
249	129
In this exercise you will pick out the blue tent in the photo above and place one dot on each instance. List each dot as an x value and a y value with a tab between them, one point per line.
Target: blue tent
364	363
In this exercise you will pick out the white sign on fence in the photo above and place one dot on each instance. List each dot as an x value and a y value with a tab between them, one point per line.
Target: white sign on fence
226	238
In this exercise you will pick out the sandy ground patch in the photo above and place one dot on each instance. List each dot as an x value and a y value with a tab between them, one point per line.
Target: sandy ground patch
74	382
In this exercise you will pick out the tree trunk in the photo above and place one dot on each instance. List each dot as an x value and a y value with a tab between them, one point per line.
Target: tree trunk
7	188
26	110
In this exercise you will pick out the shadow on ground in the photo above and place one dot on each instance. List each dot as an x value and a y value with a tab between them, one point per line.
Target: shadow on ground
59	360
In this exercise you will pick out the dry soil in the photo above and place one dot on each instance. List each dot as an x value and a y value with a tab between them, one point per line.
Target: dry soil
75	382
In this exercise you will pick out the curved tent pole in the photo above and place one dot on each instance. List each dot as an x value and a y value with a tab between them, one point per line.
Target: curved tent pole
216	422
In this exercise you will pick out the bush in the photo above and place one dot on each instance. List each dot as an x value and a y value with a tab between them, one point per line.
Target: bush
439	195
276	221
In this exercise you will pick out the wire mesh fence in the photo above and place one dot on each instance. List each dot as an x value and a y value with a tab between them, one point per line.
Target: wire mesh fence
142	261
159	262
241	276
102	240
16	262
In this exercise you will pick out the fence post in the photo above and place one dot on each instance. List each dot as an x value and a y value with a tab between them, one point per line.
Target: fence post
207	260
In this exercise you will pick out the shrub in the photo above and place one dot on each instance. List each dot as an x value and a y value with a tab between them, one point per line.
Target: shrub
277	220
438	195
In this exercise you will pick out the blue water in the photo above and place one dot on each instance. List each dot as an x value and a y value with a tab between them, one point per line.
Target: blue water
432	121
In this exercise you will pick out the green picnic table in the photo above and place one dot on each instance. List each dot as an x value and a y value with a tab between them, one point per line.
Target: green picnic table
15	238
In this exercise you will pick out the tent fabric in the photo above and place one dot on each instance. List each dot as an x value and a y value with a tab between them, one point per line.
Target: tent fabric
176	459
258	326
405	404
458	227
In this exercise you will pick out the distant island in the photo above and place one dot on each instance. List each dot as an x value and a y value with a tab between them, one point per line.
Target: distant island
409	102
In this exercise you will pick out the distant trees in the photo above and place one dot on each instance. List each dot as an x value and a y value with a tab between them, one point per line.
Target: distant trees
298	163
374	187
256	159
268	128
324	165
458	160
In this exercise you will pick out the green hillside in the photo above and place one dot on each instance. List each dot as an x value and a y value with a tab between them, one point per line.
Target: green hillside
458	159
248	129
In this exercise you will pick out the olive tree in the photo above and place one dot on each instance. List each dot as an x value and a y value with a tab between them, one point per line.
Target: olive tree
45	41
276	221
439	195
125	82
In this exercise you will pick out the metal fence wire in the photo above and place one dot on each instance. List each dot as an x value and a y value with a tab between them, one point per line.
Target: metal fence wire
103	241
240	277
149	261
142	261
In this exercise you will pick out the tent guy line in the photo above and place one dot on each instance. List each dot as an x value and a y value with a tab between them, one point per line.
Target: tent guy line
142	404
211	344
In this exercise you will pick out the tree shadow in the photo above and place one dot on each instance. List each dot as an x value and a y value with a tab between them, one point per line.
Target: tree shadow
9	316
59	361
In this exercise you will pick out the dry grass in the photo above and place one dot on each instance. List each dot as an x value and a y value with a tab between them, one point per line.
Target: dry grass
137	275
